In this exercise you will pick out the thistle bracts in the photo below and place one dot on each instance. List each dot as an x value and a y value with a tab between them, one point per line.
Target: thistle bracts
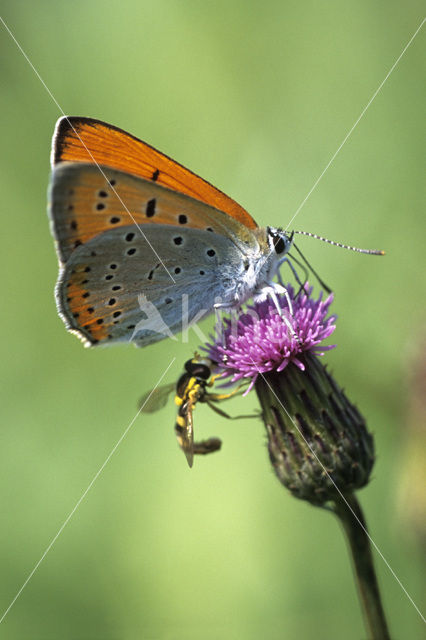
317	439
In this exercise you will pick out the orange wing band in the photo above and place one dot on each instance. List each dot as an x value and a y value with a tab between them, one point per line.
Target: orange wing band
86	140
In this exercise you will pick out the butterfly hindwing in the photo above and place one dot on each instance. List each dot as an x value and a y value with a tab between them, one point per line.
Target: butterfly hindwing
114	288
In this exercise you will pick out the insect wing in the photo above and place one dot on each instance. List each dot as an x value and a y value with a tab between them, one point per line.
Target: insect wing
156	398
185	432
85	200
78	139
111	271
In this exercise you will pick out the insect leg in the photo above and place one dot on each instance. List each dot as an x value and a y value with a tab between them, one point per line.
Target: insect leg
271	290
296	275
222	413
218	306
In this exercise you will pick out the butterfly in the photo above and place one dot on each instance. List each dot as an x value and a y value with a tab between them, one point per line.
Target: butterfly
137	234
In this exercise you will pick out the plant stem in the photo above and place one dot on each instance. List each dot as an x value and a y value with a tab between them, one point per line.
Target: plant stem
362	561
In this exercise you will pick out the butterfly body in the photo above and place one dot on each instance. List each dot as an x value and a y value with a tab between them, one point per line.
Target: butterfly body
138	249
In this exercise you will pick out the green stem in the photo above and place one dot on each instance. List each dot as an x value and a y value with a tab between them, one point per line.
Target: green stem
362	560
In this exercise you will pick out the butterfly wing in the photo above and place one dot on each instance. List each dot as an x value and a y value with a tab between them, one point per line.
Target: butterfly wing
78	139
122	282
85	201
115	290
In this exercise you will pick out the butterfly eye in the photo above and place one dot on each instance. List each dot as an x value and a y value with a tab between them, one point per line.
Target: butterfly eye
279	245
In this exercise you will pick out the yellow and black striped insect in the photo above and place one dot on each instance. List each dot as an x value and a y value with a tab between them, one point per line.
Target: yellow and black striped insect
199	374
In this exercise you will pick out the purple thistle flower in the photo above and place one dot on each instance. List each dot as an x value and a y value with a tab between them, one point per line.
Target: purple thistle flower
316	436
318	441
260	341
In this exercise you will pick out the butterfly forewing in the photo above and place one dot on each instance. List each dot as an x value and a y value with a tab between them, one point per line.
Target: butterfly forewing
78	139
85	202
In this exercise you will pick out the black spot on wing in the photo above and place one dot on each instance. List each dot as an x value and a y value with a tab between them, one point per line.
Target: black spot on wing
150	208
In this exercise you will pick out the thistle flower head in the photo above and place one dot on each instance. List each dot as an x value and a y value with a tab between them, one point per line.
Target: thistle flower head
318	441
260	341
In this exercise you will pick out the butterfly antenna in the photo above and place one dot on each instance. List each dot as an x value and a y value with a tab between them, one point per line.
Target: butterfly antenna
320	280
372	252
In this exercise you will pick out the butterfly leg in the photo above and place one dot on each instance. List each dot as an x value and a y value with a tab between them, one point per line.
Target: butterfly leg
218	323
271	290
295	274
218	307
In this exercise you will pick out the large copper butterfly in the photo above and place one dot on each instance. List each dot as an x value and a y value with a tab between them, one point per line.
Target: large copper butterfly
134	228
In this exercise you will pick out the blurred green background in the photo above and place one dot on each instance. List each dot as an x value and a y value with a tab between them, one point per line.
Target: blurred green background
255	97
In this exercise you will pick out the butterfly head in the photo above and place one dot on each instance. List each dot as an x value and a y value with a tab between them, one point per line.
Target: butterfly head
279	242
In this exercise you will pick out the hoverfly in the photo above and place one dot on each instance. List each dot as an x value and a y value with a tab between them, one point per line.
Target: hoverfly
190	389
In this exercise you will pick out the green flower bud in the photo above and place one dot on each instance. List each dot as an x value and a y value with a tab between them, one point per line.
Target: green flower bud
317	440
